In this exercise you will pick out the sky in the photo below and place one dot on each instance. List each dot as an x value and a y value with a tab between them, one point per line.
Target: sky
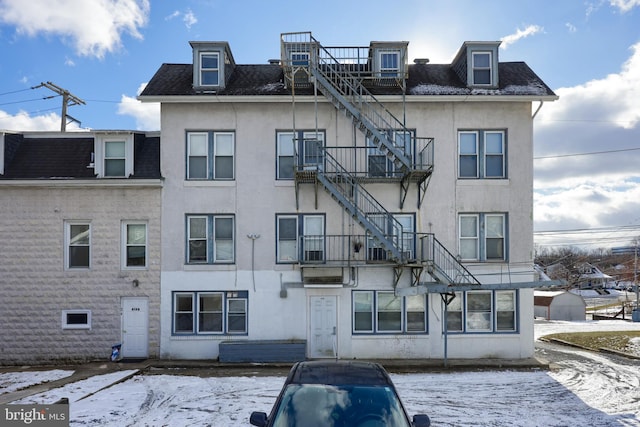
596	391
586	144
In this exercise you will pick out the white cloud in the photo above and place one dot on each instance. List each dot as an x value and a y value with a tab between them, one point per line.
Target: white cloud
520	34
572	28
625	5
147	115
22	121
189	19
601	116
95	27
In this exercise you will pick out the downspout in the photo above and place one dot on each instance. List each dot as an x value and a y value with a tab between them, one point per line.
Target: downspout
537	110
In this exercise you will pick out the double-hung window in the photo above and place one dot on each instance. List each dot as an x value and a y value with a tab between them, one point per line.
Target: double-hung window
210	155
384	312
209	69
482	154
302	149
77	244
134	241
113	155
300	238
483	311
208	312
210	239
399	230
378	164
482	236
481	68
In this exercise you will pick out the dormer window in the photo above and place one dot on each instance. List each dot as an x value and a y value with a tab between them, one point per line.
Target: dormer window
114	155
210	69
213	65
481	64
476	64
389	63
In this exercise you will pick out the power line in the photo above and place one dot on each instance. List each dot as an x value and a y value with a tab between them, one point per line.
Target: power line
31	100
16	91
586	154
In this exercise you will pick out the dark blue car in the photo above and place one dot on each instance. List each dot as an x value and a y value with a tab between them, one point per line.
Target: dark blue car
338	394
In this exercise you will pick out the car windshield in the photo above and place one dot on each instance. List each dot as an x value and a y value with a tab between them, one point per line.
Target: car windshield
319	405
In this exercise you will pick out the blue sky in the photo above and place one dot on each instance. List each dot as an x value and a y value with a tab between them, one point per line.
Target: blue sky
587	144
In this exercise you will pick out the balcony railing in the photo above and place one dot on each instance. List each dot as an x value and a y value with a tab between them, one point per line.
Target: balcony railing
371	163
361	249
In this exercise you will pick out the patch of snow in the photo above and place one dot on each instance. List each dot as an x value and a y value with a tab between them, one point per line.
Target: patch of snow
13	381
433	89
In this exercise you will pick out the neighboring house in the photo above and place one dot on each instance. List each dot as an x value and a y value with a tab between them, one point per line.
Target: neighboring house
80	251
559	305
340	196
589	276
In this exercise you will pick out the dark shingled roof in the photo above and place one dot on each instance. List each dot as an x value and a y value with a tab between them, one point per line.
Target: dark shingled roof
68	158
516	78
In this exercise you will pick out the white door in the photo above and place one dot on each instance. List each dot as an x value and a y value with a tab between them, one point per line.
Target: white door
323	334
135	327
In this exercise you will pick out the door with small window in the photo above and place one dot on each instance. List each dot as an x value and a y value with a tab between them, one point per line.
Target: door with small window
135	327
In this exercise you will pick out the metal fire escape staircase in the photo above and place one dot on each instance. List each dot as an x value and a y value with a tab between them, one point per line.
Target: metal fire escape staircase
307	63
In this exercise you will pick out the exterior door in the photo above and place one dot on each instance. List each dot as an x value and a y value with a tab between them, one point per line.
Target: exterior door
135	327
322	324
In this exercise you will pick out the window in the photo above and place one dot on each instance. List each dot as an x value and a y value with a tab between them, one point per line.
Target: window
481	154
210	239
114	155
303	149
384	312
482	311
378	164
207	313
134	238
481	68
77	245
210	155
114	158
402	223
310	228
76	319
389	63
300	59
209	69
482	237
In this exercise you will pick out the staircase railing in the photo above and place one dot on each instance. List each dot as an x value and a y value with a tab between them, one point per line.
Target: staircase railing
346	92
442	264
362	206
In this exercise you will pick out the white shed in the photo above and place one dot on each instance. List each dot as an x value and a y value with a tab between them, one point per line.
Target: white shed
559	305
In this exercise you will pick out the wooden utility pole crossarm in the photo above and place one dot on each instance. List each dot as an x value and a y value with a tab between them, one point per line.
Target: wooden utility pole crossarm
68	100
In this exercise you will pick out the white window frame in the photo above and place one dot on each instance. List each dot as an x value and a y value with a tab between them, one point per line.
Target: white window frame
126	244
100	147
389	72
67	325
204	69
191	140
459	308
482	234
196	325
214	152
483	152
375	310
68	243
306	221
488	68
211	239
285	149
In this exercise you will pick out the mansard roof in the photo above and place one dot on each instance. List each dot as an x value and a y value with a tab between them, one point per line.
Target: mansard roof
61	156
516	78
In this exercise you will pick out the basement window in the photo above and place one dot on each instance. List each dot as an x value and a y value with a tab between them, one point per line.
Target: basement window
76	319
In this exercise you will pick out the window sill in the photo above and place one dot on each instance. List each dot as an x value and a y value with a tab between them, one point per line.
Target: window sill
210	267
210	183
475	182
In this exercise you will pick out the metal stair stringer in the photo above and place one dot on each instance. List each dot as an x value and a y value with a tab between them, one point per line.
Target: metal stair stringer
362	206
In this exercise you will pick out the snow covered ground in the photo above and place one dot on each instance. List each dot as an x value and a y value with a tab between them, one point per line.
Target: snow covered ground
586	389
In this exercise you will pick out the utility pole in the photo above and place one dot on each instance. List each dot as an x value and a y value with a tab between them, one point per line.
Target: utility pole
68	100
